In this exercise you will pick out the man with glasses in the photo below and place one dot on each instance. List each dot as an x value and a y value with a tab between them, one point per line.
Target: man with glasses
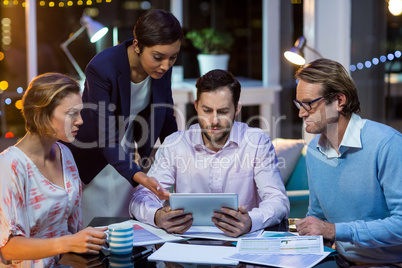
354	167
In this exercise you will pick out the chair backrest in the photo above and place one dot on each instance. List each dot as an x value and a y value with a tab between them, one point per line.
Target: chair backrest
288	153
298	180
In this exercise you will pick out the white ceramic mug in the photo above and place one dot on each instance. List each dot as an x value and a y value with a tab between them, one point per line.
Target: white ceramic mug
120	238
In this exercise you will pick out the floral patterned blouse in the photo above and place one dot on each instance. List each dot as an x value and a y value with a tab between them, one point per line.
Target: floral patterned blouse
32	206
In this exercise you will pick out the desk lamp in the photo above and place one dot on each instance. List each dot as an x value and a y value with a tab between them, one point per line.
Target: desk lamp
295	54
95	31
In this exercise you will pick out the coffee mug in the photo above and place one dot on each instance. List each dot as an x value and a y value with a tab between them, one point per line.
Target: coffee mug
120	238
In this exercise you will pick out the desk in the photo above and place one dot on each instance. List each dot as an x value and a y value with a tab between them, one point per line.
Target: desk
101	260
253	92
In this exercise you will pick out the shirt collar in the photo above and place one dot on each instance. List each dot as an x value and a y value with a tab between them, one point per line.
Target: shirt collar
197	141
351	138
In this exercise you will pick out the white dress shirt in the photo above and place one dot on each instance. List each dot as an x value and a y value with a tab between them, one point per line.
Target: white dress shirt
246	165
351	138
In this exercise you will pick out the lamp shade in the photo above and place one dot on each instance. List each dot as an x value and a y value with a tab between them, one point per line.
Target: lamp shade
295	54
95	30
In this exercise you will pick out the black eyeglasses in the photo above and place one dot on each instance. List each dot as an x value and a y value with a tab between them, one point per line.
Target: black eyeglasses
306	105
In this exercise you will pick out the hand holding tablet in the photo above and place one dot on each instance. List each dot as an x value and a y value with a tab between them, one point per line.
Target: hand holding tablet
202	205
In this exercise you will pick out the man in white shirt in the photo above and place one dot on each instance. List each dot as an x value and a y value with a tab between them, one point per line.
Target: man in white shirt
217	155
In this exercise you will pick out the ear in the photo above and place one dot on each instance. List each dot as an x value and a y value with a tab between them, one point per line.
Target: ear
341	101
196	105
238	108
136	47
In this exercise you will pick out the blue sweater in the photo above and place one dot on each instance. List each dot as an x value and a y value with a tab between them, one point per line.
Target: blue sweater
361	192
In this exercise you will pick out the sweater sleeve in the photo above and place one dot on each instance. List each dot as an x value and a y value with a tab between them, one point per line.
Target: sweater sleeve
386	231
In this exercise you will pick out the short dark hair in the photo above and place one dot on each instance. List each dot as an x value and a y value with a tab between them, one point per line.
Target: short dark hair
43	95
157	27
334	80
215	79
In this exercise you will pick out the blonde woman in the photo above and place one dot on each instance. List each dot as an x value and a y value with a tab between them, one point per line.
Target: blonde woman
40	206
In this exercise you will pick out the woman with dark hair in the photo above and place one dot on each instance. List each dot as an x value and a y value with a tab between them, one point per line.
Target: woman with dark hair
128	105
40	189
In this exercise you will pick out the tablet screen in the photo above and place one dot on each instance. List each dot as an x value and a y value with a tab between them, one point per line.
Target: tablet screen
202	205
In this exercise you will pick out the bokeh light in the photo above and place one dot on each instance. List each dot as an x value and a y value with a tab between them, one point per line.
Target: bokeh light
3	85
395	7
18	104
9	135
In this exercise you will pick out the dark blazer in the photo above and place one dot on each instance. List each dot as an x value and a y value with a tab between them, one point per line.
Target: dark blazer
106	100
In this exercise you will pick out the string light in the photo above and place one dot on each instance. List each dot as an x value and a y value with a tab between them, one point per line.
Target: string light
59	3
375	61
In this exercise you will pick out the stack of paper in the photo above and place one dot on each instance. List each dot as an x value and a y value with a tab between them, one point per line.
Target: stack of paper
288	251
184	253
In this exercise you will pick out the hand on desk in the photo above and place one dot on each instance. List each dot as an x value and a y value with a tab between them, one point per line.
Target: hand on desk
233	222
173	221
314	226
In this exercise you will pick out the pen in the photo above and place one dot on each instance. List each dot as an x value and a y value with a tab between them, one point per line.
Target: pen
142	253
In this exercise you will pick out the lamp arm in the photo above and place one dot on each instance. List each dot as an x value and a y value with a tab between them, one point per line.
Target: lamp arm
69	56
314	51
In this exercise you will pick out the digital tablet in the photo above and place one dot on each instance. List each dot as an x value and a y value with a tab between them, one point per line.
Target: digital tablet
202	205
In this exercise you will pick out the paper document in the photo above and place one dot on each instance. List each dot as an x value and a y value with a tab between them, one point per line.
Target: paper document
201	254
145	234
212	232
282	245
286	251
281	260
276	234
